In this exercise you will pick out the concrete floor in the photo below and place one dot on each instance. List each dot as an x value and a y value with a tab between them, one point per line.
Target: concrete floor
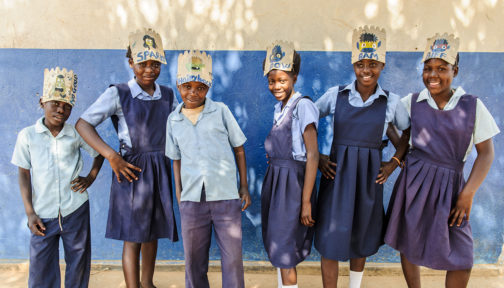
172	276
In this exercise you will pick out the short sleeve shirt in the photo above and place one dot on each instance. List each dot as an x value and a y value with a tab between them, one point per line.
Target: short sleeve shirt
206	151
484	124
109	104
395	112
54	162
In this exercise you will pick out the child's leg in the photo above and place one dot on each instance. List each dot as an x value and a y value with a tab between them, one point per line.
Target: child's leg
411	272
289	276
356	271
196	226
44	257
130	263
76	236
457	278
226	216
149	251
329	272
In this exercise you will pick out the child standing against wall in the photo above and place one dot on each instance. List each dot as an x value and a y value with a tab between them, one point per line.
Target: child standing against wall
288	191
350	203
431	202
140	208
201	136
54	195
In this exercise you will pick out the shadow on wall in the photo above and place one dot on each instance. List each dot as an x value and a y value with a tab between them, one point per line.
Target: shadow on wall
247	24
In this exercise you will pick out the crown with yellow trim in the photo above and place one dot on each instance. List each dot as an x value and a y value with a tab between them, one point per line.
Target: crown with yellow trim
443	47
59	85
280	56
196	66
369	42
146	44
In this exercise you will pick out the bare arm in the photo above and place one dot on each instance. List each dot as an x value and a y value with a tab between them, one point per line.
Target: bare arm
119	166
479	171
178	181
34	222
388	167
312	160
241	162
393	135
80	184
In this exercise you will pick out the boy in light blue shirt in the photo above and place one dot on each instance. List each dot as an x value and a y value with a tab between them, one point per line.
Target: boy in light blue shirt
201	136
54	195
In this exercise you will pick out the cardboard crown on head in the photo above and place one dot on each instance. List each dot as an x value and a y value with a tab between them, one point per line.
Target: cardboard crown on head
146	44
280	56
196	66
443	47
369	42
59	85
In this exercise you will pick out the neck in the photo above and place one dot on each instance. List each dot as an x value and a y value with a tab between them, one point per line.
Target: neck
365	92
150	89
55	130
442	98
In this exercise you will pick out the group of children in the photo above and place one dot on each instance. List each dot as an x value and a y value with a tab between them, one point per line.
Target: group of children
427	219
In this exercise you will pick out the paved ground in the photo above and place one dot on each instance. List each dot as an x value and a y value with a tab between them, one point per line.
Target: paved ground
15	275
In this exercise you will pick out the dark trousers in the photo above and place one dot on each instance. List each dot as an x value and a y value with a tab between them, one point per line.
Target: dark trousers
197	219
44	251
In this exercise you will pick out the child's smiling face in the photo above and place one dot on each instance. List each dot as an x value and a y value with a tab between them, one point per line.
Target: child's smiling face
281	84
367	72
193	94
438	75
146	72
56	113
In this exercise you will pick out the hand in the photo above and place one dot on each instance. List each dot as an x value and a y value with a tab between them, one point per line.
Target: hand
267	158
119	166
35	224
80	184
462	208
325	166
306	215
245	198
385	170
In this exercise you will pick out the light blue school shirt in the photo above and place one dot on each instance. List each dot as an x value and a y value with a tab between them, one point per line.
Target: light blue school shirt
109	104
54	163
304	114
396	112
206	151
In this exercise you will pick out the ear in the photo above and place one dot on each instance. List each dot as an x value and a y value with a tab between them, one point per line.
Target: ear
40	103
130	61
455	71
294	79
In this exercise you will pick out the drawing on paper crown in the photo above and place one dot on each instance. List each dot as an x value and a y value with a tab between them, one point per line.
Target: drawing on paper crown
440	45
368	43
196	64
276	54
149	42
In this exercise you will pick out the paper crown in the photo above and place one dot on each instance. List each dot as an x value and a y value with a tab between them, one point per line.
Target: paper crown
194	66
146	44
280	56
59	85
443	47
369	43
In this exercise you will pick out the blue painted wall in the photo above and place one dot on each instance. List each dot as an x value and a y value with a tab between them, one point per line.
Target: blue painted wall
239	83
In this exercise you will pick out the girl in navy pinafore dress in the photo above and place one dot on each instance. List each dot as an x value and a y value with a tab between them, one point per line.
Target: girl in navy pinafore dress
350	202
140	208
288	191
431	203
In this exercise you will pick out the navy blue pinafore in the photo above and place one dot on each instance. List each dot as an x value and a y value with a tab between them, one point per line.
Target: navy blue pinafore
350	207
142	211
286	240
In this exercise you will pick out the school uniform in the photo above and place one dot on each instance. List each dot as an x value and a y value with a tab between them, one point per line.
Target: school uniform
209	194
139	211
429	185
54	163
286	240
350	206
